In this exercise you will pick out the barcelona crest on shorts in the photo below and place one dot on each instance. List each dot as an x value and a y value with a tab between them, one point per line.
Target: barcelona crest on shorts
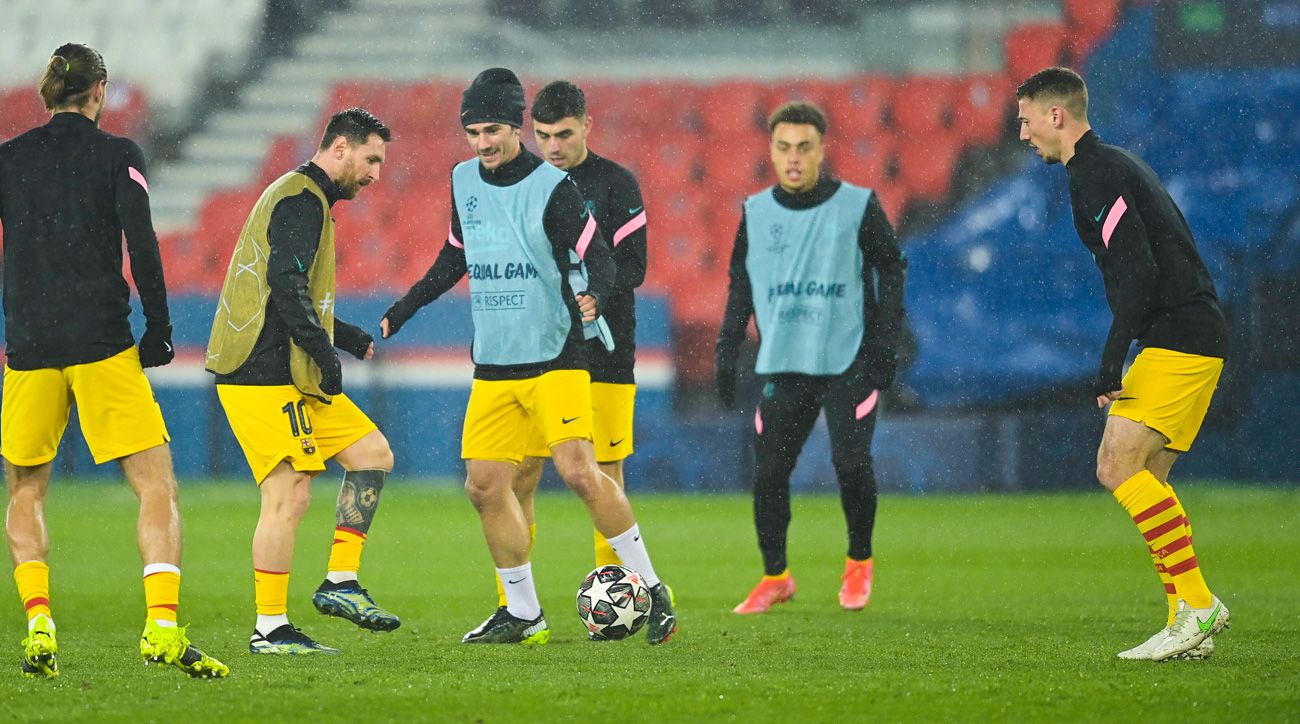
308	445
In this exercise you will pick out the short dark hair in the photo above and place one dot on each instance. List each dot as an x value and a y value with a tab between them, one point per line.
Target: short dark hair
355	124
798	112
70	74
1057	84
558	100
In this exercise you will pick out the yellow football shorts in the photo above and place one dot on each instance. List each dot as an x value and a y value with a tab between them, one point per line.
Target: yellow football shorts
502	414
1169	392
115	404
612	408
278	422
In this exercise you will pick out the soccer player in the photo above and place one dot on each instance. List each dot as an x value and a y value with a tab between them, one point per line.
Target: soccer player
1161	295
561	125
281	385
816	263
515	220
68	194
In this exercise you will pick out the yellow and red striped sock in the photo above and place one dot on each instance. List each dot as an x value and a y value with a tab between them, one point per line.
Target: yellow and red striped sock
1163	524
605	555
1167	581
33	579
162	591
271	591
345	554
501	589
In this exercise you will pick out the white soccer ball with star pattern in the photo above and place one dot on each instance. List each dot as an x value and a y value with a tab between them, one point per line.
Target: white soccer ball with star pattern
613	602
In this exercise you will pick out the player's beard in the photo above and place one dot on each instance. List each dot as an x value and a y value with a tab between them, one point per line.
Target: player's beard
350	188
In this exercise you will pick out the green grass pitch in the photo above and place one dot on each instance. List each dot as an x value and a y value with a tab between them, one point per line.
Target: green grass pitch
985	608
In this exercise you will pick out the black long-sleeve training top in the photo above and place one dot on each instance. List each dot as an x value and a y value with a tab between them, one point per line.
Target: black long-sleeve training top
294	237
564	221
882	270
68	193
1157	286
613	195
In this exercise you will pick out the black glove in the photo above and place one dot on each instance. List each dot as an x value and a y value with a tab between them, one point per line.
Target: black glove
353	340
881	366
156	346
398	314
331	374
724	373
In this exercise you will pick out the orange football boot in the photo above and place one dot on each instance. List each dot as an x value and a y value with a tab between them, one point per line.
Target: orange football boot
770	590
856	590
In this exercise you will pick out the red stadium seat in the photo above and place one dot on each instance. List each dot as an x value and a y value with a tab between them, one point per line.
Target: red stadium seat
922	105
285	154
734	106
1033	46
982	109
857	108
926	169
735	161
221	218
812	90
865	160
894	198
1090	21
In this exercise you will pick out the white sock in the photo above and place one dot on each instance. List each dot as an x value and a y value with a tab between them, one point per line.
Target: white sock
164	623
521	594
629	547
341	576
31	622
153	568
267	624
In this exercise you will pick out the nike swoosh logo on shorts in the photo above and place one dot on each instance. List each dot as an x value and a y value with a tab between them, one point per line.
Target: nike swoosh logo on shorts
567	420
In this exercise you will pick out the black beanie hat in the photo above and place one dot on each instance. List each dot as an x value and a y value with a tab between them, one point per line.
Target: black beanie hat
495	96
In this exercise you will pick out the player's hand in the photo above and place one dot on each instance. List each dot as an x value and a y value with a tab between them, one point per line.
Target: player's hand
1108	397
394	318
587	305
331	375
156	346
353	340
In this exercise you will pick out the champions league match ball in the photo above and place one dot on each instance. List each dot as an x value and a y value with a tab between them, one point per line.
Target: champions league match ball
613	602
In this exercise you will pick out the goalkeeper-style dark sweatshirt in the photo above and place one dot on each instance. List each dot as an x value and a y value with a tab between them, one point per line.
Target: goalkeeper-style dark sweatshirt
612	194
1156	284
68	193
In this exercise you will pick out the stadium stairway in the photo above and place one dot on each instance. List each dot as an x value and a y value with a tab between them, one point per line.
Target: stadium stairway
398	40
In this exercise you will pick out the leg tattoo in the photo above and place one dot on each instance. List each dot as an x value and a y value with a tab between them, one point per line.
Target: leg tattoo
359	498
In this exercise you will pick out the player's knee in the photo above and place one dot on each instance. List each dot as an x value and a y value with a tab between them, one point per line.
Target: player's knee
298	502
1112	469
377	454
585	480
479	492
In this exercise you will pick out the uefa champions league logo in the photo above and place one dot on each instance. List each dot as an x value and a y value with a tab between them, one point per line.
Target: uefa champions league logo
777	247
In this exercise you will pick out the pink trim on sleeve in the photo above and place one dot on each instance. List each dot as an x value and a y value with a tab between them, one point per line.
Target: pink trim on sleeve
1112	220
758	420
451	238
584	241
637	222
137	177
866	406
